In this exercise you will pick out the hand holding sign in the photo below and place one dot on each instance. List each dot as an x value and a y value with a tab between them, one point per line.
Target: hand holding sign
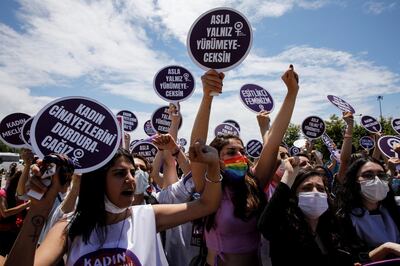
212	82
371	124
290	78
348	118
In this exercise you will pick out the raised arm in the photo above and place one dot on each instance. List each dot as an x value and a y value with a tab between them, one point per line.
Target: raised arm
345	153
266	164
155	169
27	156
212	82
170	215
263	121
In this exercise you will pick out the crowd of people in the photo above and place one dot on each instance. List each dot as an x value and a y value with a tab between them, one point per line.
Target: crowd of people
211	206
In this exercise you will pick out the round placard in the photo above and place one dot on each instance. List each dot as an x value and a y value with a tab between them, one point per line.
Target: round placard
226	128
341	104
161	121
371	124
148	128
386	146
254	148
256	98
233	123
396	125
174	83
313	127
82	128
130	120
219	39
10	129
146	149
26	133
367	142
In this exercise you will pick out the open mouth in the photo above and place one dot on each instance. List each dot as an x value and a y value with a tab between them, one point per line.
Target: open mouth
128	193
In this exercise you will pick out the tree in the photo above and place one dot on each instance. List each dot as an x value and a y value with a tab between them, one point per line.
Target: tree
292	134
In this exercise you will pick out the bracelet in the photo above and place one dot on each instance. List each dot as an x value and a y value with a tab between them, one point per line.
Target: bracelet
212	181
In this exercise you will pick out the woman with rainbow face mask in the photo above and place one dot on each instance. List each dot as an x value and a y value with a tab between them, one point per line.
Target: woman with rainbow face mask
231	233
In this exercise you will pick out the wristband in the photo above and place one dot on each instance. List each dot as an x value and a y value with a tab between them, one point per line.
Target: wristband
212	181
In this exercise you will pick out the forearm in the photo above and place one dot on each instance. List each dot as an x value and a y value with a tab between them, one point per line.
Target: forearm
28	237
170	175
266	164
15	210
345	153
155	171
68	204
201	122
211	196
183	162
22	180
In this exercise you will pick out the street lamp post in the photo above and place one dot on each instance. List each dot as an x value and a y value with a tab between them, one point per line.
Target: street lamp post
380	98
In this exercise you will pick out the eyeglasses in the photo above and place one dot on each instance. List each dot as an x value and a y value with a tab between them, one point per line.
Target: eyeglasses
371	175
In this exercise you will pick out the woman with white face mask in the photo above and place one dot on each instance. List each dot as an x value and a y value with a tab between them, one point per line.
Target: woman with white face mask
299	223
368	212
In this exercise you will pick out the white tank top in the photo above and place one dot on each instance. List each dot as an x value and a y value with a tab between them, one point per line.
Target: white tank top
133	241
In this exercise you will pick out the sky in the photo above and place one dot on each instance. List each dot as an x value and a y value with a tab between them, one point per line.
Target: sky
110	50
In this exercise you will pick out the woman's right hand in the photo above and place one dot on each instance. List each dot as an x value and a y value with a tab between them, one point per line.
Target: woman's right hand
291	170
201	153
212	82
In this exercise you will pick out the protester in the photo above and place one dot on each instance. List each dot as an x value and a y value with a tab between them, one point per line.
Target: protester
368	212
11	214
231	233
104	223
299	222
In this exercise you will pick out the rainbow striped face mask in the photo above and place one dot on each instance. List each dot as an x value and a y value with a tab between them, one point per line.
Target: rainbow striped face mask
236	168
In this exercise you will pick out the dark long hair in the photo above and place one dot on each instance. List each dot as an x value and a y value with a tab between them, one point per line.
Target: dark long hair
246	196
327	225
349	198
90	211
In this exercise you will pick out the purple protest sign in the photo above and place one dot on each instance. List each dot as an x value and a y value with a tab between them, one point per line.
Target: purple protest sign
182	142
130	120
367	142
233	123
82	128
313	127
226	128
146	149
396	125
386	146
10	129
132	144
220	39
330	145
148	128
256	98
341	104
161	121
253	148
174	83
26	133
294	150
371	124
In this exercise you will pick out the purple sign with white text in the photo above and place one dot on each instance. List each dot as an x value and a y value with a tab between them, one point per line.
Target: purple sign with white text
161	121
294	150
256	98
146	149
313	127
371	124
330	145
233	123
182	142
26	133
226	128
130	120
148	128
253	148
10	129
174	83
341	104
79	127
396	125
219	39
367	142
386	146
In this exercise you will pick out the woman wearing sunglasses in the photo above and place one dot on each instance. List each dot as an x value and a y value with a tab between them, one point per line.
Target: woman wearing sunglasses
368	211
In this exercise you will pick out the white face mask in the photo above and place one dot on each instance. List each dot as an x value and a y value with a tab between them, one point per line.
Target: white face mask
374	190
111	207
142	181
313	204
